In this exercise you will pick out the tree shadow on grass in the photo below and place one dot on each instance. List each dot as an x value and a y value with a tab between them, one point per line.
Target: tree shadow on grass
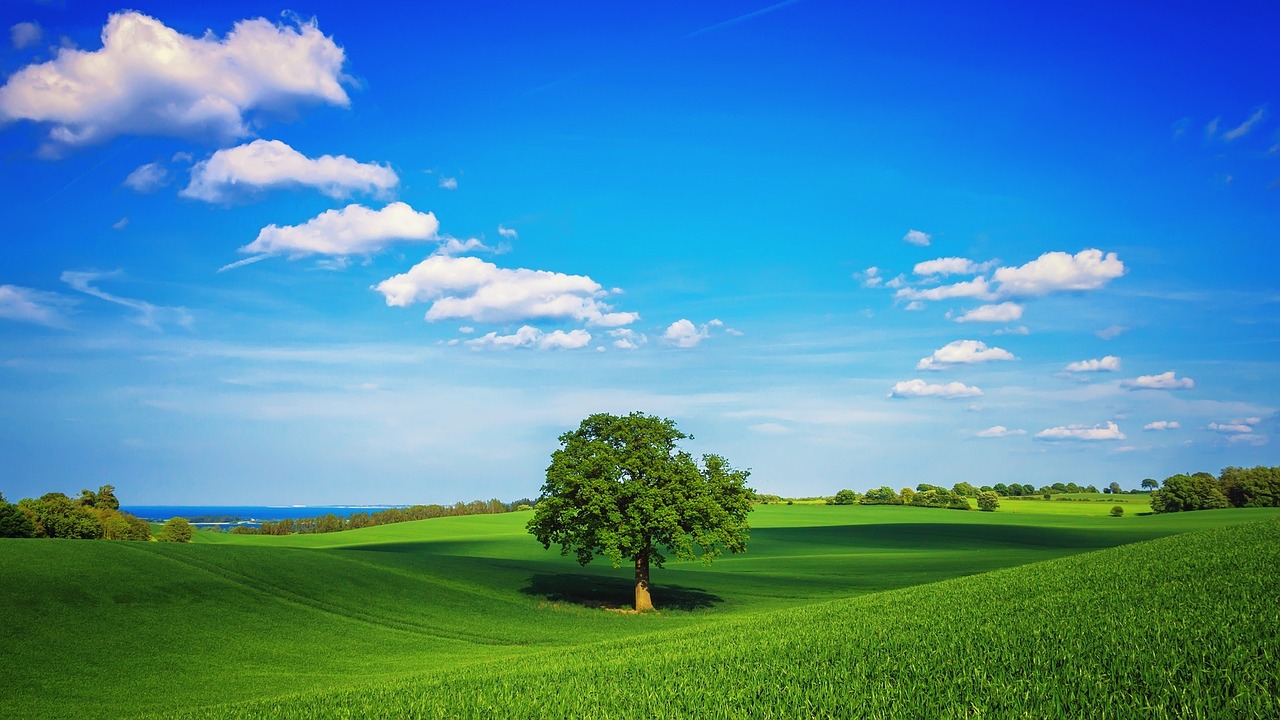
610	593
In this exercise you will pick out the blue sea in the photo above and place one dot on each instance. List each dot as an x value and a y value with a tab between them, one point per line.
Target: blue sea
246	513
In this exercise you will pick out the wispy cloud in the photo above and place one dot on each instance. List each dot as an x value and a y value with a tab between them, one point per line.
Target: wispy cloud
1247	126
149	315
742	18
27	305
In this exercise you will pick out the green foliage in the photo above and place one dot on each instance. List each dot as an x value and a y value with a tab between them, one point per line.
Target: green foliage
965	489
988	501
176	530
14	523
883	495
1117	511
937	497
846	497
104	499
56	516
619	487
1149	484
1254	487
1188	492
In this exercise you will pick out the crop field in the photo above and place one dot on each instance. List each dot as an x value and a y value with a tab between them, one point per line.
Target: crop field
834	610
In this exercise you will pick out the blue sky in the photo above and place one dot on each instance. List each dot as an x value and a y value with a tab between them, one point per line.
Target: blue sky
340	253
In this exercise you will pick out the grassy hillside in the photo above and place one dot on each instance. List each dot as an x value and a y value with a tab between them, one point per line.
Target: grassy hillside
1187	626
121	629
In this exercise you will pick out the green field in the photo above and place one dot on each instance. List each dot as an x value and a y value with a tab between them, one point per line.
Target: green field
840	610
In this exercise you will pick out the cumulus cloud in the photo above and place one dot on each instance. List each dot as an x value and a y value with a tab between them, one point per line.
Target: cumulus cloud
265	164
1059	271
533	338
963	352
1110	431
470	288
148	79
449	183
951	266
870	277
976	288
354	229
916	237
684	334
1110	363
1162	425
149	315
22	304
508	233
147	178
628	339
1247	126
454	246
1164	381
1004	312
25	33
919	388
998	431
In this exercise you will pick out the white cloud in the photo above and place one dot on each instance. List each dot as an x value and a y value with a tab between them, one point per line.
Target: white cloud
449	183
1018	330
975	288
470	288
916	237
1163	381
1162	425
1247	126
149	79
1059	271
1110	363
628	339
963	352
508	233
1211	128
25	33
120	224
951	266
998	431
919	388
770	428
31	306
147	178
351	230
1004	312
149	315
684	334
1110	431
454	246
531	337
1240	426
870	277
264	164
1112	332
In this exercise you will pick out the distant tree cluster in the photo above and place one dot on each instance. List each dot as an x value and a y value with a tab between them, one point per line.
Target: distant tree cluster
1234	487
329	522
92	516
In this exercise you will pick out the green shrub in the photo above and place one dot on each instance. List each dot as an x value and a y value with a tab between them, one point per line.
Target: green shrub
176	530
988	501
1117	511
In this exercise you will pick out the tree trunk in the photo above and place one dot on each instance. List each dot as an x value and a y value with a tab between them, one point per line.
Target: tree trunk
643	602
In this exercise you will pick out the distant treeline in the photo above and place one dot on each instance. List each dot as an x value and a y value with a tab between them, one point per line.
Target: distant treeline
329	522
1234	487
92	516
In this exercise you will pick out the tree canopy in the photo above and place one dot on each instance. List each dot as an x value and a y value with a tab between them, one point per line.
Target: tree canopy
621	488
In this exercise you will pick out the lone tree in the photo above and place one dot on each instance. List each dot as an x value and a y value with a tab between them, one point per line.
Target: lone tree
620	487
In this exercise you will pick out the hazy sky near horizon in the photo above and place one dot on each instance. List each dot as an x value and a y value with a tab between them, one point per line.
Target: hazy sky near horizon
362	253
